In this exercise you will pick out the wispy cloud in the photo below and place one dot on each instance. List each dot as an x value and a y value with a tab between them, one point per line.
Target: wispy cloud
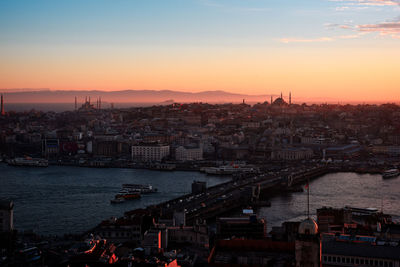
348	3
386	28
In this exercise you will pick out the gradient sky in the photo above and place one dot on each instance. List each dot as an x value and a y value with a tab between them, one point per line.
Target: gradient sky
347	50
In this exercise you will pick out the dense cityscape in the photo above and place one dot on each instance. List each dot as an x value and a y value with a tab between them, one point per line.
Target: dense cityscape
266	149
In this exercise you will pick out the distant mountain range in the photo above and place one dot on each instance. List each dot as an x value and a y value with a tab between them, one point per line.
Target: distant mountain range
127	96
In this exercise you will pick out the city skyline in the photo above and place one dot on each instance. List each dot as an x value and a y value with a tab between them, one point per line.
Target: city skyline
344	50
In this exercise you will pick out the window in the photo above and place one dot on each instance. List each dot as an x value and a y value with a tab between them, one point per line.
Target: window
325	258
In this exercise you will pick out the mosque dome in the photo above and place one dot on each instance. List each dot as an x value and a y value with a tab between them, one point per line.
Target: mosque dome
308	227
279	101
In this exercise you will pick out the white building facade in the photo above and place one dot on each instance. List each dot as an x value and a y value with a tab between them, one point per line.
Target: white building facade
150	152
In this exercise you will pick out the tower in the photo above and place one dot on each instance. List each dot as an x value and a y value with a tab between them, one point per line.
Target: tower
271	100
99	102
290	98
76	104
2	106
308	247
281	96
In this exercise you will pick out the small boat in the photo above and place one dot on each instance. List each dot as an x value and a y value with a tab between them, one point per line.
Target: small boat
390	173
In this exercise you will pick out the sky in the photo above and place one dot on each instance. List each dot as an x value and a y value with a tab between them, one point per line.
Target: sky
344	50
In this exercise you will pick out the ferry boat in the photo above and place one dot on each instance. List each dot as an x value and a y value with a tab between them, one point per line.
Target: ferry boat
390	173
139	188
127	195
28	161
229	170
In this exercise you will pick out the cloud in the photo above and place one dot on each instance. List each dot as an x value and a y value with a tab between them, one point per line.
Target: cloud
348	3
384	28
321	39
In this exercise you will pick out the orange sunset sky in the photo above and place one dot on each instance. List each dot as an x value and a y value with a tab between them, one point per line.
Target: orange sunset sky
335	50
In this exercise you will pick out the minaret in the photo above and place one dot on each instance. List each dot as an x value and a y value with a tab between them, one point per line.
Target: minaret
2	106
290	98
243	101
271	100
99	102
76	104
281	96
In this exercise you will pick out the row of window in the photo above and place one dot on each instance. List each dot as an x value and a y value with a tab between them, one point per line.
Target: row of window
121	234
358	261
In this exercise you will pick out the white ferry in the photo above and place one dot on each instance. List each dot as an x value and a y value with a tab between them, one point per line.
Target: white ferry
28	161
139	188
390	173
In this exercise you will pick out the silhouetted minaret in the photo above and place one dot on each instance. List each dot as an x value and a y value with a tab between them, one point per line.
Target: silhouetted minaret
99	102
290	98
243	100
271	100
2	106
89	100
76	104
281	96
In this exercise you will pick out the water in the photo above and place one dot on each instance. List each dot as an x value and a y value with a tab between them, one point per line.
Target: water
58	200
336	190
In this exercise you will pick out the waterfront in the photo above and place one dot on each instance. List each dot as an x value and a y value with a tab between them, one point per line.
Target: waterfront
58	200
335	190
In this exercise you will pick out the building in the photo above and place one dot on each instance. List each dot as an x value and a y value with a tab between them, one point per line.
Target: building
196	235
244	252
292	153
6	216
358	251
152	241
342	152
241	227
308	245
150	152
333	220
120	230
188	154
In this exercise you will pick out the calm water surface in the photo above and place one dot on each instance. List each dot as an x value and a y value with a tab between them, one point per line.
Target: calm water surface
58	199
336	190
